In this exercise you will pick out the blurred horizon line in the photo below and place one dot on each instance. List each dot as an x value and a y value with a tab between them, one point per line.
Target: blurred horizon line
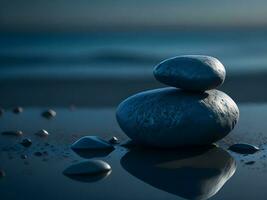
130	28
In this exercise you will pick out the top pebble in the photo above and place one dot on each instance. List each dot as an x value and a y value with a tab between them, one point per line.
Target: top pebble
191	72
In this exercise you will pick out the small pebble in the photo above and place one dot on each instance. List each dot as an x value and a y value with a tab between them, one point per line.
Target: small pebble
244	148
38	153
42	133
24	157
2	173
91	143
26	142
12	133
114	140
49	114
18	110
91	167
250	162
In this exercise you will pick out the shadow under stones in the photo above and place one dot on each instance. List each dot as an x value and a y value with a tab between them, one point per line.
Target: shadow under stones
193	174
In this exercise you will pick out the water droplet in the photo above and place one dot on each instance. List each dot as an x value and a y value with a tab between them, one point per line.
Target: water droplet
18	110
244	148
26	142
12	133
49	114
114	140
42	133
250	162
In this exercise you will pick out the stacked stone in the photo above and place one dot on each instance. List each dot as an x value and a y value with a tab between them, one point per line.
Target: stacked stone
190	113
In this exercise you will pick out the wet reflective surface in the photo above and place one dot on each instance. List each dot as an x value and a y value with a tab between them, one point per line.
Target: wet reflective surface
214	172
195	174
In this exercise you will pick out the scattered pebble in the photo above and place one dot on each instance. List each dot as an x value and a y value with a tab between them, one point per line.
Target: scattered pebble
250	162
24	156
91	167
18	110
26	142
114	140
49	114
91	143
2	173
244	148
12	133
42	133
38	153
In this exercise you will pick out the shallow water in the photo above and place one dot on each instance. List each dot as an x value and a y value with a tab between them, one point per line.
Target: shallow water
115	54
136	174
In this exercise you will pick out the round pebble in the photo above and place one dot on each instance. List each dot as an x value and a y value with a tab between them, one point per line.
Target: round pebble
91	143
191	72
42	133
170	117
12	133
49	114
26	142
18	110
114	140
244	148
91	167
250	162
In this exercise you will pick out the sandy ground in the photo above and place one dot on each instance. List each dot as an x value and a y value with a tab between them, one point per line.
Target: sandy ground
99	92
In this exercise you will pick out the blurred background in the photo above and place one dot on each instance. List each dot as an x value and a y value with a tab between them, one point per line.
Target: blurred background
98	52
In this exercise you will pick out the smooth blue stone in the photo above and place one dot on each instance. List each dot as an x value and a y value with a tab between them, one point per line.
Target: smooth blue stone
169	117
91	143
244	148
191	72
90	167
